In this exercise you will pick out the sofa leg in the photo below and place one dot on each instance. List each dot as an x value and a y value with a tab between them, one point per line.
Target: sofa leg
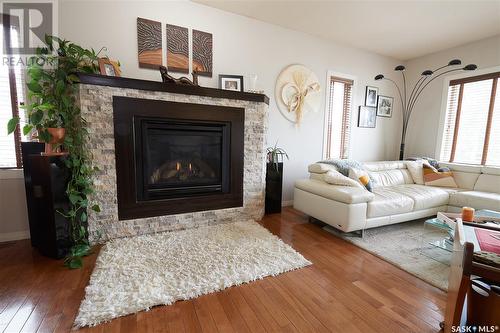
314	220
357	233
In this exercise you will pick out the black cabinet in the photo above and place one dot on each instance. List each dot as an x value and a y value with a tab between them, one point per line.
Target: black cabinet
274	187
45	180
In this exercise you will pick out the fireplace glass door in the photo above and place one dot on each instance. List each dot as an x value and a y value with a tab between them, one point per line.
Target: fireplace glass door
179	159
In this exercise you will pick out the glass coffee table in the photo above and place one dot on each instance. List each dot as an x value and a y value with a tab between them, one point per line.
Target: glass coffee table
437	236
437	240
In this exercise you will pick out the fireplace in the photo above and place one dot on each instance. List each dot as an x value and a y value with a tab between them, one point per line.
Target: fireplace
181	158
176	158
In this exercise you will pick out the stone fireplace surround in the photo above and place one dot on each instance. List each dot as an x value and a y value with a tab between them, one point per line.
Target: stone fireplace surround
95	98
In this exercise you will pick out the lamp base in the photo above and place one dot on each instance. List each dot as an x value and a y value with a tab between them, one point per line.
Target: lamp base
401	151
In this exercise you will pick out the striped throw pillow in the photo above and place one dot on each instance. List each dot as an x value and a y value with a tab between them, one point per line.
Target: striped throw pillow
434	177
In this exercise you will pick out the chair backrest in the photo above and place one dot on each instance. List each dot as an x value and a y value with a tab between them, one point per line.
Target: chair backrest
459	278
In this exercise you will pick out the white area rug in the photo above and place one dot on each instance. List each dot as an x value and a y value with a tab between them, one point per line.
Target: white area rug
400	244
136	273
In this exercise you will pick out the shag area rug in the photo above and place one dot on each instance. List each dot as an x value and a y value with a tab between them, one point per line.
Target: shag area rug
400	244
136	273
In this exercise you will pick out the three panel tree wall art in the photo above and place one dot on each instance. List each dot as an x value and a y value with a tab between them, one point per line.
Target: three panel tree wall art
149	43
177	49
150	48
202	53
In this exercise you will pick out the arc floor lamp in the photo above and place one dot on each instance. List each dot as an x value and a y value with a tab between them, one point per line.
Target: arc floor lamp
409	101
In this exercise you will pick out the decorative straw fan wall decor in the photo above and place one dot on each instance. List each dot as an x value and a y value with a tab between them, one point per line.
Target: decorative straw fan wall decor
297	92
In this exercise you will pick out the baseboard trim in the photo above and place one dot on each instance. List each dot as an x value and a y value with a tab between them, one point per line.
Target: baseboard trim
13	236
287	203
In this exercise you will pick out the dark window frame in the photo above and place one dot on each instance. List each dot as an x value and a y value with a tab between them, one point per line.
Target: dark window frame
461	82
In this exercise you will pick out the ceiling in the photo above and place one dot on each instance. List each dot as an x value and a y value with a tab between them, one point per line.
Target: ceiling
400	29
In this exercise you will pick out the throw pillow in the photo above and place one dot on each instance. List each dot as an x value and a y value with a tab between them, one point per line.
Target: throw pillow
416	170
433	177
336	178
362	177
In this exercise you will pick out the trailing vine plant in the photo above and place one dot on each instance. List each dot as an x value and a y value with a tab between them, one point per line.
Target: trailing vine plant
52	91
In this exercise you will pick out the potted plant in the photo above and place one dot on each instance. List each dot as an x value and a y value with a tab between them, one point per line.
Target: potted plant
53	113
274	178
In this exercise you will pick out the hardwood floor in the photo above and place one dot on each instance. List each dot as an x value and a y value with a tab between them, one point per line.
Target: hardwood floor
345	290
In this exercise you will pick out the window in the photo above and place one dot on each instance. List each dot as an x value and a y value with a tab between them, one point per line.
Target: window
338	118
472	122
11	96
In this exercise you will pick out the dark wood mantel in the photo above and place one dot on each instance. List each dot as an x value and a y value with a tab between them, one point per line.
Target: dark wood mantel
124	82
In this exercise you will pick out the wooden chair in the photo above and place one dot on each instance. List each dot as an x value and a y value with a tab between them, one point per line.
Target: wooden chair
459	278
462	267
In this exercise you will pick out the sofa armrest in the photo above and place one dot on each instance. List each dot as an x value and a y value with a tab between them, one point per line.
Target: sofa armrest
345	194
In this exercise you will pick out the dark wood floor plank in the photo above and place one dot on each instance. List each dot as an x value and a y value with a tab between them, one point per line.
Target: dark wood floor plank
346	290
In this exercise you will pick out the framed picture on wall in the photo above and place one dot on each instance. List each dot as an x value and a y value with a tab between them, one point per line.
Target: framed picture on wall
367	117
371	96
231	82
384	106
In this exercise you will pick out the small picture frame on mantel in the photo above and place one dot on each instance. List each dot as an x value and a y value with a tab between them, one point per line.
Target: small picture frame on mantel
109	67
231	82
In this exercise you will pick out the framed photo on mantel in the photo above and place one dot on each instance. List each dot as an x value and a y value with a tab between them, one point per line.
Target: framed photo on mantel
231	82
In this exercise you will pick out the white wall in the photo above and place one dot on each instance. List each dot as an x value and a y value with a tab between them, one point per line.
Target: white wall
424	125
13	213
245	46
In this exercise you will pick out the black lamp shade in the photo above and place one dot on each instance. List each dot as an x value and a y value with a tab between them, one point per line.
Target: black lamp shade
455	62
399	68
427	72
470	67
379	77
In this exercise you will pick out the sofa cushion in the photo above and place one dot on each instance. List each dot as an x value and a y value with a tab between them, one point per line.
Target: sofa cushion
391	177
423	196
416	170
461	167
488	183
384	165
465	180
476	199
320	168
387	201
491	170
336	178
345	194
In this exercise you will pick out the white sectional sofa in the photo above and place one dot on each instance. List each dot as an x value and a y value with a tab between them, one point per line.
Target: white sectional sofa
395	198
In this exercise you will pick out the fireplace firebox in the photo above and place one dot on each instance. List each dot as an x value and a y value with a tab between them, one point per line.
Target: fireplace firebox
175	158
181	158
